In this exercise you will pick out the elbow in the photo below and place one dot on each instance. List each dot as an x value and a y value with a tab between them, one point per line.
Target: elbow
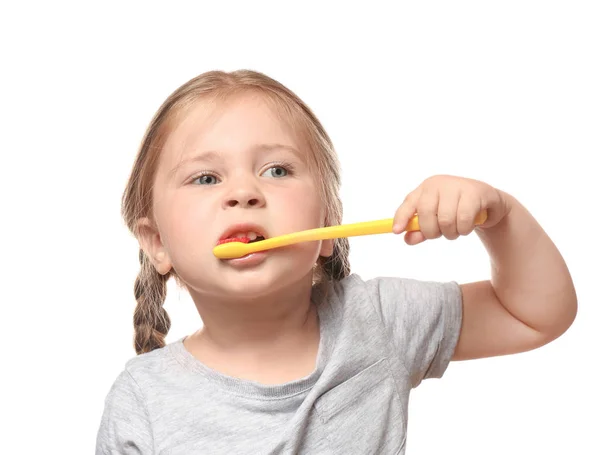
564	319
571	313
570	309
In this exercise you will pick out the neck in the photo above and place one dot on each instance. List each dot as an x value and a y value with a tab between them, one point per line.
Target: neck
286	317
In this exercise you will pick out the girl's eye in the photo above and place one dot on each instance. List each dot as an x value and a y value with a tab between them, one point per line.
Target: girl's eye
277	171
205	179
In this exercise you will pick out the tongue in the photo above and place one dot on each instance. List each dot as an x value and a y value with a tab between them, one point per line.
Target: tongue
235	239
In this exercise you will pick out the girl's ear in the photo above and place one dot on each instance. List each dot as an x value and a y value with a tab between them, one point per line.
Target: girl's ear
326	245
326	248
150	241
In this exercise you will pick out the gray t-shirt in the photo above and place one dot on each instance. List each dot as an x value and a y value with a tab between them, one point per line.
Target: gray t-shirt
379	339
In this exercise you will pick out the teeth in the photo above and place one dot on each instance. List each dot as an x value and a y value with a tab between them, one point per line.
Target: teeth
250	235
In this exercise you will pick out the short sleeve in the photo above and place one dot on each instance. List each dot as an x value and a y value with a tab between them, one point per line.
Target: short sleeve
125	426
423	320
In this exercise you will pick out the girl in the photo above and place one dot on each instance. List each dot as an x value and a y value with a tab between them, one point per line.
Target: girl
296	354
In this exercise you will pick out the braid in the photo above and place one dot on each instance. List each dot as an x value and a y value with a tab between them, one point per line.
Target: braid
151	322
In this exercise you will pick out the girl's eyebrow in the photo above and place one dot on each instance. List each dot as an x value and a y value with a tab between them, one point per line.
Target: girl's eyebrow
213	155
208	156
265	148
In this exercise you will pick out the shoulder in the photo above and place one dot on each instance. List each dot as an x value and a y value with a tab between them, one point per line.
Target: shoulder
355	288
420	319
136	383
416	322
126	418
136	372
151	365
143	374
398	305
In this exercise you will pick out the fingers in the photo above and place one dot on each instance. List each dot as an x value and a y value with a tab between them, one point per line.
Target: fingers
414	237
448	206
448	214
406	211
467	211
427	209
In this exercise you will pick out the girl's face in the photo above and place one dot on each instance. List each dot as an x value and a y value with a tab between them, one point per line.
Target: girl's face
229	163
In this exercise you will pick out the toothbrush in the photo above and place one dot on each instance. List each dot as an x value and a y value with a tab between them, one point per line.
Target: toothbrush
236	249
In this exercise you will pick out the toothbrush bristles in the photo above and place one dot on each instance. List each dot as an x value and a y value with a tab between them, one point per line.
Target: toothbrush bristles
236	239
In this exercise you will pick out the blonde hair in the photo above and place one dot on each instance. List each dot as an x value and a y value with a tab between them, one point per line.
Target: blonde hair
151	321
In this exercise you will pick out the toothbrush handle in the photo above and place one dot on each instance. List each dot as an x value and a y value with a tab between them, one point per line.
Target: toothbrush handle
371	227
329	232
355	229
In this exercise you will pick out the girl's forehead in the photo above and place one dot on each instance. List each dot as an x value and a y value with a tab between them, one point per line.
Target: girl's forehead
243	123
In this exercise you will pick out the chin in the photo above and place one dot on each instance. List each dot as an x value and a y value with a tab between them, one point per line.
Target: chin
254	280
256	283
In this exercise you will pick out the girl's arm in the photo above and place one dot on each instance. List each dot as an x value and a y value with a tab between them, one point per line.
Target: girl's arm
530	299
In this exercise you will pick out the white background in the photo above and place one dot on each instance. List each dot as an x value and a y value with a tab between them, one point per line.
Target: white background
505	92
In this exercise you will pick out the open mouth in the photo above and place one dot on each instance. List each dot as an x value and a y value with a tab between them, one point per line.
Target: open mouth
244	238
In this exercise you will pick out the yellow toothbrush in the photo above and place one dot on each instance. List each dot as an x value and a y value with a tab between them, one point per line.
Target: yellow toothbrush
232	250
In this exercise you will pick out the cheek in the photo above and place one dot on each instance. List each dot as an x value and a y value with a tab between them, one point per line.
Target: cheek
302	208
187	222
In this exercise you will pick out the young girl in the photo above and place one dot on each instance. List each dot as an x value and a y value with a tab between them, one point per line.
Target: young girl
296	354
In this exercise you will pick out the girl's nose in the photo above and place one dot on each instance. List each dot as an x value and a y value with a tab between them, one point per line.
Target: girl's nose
246	196
243	201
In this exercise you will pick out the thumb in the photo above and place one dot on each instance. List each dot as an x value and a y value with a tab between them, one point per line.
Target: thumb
414	237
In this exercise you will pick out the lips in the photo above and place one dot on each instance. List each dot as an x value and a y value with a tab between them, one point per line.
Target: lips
239	232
